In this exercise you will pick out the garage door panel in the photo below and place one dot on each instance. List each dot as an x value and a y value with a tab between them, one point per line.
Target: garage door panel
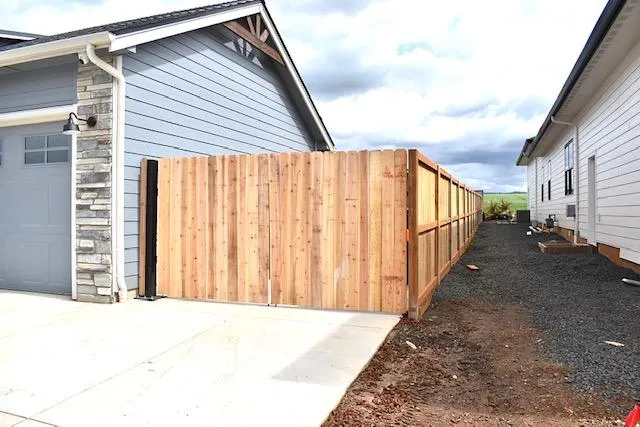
34	263
35	219
3	257
59	272
59	211
33	205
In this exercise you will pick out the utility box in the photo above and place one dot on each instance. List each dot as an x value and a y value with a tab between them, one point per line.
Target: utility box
523	217
571	211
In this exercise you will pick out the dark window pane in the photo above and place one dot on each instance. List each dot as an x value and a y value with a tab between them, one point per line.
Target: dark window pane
57	141
34	142
58	156
34	158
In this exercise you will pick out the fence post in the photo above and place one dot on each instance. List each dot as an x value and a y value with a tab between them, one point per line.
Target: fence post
148	228
450	213
437	191
412	236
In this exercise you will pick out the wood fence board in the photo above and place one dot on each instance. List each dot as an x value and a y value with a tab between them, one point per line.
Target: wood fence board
363	240
142	241
399	229
317	247
351	232
326	210
374	230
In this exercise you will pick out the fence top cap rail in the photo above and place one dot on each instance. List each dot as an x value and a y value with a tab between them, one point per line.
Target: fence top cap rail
433	166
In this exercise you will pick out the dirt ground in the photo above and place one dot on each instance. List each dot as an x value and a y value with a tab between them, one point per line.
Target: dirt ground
475	364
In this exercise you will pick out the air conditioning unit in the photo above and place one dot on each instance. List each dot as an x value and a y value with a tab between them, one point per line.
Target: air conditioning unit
571	211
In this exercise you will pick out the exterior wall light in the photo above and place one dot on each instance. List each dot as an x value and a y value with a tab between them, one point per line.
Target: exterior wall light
72	128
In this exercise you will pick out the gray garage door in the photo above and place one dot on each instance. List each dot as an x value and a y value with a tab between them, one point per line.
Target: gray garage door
35	209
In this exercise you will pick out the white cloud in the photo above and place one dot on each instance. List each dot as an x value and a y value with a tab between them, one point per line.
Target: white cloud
429	72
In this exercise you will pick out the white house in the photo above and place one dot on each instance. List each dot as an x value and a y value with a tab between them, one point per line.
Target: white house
583	166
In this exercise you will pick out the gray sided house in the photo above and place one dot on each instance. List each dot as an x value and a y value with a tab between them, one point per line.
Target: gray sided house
207	81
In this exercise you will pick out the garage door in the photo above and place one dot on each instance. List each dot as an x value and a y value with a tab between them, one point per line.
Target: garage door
35	213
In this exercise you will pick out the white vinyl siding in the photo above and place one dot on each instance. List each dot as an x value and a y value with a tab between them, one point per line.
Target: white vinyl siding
532	188
609	129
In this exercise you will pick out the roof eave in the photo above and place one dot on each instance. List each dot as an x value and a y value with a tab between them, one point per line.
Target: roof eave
599	32
54	48
297	78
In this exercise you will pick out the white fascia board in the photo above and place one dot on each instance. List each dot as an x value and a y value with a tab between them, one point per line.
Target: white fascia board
296	78
40	115
156	33
54	48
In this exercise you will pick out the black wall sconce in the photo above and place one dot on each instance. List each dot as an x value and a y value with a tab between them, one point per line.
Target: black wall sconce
72	128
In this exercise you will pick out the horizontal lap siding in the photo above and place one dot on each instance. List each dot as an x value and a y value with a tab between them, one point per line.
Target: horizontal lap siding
558	202
531	187
610	130
49	86
193	95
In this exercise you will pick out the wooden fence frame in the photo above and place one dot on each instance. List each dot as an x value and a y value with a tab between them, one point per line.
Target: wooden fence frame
469	216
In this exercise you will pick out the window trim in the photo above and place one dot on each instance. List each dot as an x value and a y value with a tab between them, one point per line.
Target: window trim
45	150
568	167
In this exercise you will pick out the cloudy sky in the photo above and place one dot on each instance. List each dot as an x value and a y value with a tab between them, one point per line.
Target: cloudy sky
463	81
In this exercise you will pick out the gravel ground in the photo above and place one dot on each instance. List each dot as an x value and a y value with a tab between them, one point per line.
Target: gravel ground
577	300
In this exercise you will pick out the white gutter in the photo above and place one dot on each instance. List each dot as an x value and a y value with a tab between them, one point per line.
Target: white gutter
117	174
576	231
54	48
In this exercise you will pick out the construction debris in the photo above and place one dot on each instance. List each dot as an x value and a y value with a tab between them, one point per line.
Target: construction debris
614	343
412	345
631	282
473	267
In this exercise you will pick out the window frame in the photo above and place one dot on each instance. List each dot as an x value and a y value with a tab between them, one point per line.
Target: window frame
548	179
569	163
45	150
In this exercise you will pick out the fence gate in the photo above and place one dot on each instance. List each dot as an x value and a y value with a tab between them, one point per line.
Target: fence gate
323	230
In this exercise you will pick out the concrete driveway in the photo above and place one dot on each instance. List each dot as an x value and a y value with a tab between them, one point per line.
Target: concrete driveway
173	362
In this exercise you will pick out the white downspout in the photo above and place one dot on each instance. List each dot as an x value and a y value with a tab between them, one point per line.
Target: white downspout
576	162
117	174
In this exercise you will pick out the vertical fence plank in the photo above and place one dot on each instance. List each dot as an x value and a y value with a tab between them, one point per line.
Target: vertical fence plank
339	243
142	238
400	231
363	239
317	249
375	226
351	232
164	221
412	234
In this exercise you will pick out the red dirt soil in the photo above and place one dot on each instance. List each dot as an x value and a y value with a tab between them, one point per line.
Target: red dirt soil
474	365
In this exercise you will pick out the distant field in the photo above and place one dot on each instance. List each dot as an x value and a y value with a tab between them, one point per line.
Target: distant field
518	200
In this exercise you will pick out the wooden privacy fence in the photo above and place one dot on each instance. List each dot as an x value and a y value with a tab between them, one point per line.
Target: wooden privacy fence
444	215
324	229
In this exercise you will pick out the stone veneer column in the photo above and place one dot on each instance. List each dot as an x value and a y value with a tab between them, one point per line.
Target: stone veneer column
93	186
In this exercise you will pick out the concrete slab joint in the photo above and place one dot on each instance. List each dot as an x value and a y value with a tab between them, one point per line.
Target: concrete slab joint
93	186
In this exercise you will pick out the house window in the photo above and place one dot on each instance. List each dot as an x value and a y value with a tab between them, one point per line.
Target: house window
46	149
542	192
549	180
568	168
